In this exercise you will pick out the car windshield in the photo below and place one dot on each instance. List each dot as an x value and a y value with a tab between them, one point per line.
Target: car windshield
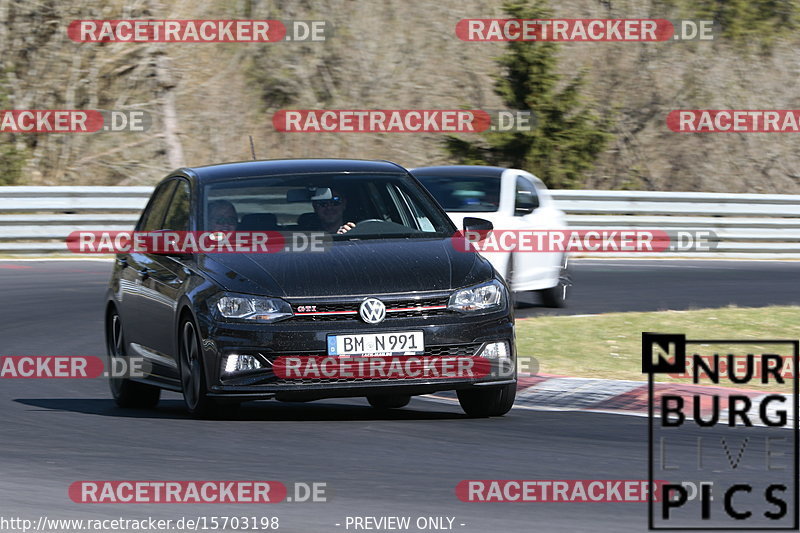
381	206
464	194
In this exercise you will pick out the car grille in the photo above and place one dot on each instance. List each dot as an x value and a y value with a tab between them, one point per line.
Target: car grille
465	350
344	311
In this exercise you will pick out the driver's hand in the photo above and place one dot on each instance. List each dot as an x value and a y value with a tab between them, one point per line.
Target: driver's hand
346	227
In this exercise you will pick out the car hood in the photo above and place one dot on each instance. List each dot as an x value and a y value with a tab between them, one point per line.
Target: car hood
350	268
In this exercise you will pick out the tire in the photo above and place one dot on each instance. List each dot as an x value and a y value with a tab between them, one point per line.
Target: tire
482	403
127	393
557	296
512	296
388	401
193	377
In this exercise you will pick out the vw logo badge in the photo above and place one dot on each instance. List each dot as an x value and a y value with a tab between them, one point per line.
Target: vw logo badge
372	311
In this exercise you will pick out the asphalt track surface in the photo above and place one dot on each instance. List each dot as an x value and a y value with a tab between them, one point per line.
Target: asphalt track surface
406	463
602	286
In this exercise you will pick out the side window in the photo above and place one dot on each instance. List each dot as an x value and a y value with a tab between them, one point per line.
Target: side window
177	218
154	213
525	199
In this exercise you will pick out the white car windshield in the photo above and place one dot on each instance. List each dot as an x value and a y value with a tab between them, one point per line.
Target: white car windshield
459	194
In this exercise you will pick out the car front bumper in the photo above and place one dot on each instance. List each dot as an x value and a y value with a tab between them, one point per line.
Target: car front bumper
453	335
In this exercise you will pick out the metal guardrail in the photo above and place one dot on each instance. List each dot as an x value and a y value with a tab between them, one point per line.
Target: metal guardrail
746	225
36	220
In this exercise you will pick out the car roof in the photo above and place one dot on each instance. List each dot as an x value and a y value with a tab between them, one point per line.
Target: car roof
460	170
276	167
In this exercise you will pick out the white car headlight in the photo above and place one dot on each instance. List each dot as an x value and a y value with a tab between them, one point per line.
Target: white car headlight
256	308
483	297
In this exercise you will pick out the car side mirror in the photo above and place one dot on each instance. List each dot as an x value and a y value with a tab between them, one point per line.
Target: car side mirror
477	224
475	230
526	204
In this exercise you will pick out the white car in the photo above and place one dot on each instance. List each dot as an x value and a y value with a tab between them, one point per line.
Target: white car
511	199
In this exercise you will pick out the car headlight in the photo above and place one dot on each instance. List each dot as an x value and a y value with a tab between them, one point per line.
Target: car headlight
483	297
255	308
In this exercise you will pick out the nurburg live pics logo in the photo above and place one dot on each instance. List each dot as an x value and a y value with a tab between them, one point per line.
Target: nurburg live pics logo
730	455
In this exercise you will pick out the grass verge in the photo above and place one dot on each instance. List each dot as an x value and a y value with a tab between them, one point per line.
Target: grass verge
609	346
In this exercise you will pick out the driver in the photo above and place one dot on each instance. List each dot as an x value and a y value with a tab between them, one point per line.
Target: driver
222	216
331	213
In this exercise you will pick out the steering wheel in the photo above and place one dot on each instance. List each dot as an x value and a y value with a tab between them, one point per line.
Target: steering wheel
370	220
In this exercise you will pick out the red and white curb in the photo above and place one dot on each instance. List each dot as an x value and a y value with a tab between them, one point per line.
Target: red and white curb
544	392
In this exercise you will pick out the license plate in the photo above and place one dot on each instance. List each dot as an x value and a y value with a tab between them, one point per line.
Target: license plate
377	344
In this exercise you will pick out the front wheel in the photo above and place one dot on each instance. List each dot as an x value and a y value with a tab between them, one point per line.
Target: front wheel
557	296
491	401
127	393
193	378
512	296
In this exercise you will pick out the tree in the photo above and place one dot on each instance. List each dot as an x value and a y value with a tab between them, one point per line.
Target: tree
742	22
12	157
566	136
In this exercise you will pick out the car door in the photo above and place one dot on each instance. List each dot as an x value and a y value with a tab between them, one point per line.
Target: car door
133	264
162	277
531	269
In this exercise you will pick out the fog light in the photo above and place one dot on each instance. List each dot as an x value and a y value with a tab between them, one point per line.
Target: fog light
240	363
495	350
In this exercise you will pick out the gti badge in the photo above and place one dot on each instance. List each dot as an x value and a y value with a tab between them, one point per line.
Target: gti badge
372	311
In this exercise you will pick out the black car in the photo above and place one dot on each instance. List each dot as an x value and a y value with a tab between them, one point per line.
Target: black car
389	281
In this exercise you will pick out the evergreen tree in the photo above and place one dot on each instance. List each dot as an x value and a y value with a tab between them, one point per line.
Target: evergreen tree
566	135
